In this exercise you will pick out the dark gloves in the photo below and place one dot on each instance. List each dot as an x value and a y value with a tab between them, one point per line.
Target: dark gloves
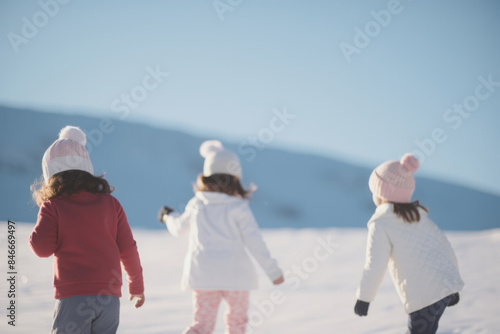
361	308
455	298
164	211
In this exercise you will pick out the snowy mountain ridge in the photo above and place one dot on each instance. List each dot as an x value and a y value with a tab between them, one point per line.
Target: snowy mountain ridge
151	167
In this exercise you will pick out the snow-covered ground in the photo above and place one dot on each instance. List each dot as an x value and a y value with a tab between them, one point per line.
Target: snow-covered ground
323	268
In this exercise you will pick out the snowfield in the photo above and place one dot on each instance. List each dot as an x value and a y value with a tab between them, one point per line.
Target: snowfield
323	268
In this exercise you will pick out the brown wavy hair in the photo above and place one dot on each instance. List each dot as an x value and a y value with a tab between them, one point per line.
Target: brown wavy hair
222	183
67	183
408	211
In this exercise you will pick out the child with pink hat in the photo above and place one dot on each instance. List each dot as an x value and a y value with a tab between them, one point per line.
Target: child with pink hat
86	230
401	235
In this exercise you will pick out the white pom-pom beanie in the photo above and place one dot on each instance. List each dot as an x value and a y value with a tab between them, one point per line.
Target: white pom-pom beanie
393	181
67	153
218	160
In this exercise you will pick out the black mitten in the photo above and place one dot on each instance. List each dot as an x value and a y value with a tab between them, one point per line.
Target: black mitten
455	298
164	211
361	308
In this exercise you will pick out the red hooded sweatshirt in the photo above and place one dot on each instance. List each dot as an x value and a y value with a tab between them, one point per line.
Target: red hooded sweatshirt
89	236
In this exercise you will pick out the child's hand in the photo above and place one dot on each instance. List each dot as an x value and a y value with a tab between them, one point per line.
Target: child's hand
455	298
164	211
361	308
140	300
279	280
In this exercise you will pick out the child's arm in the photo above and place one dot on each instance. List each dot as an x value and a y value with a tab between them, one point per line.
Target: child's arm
43	239
378	253
177	224
129	257
255	243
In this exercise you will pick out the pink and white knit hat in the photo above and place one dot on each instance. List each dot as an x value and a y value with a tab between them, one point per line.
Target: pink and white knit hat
219	160
67	153
393	181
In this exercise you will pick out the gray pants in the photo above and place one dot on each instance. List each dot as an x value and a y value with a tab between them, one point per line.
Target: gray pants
92	314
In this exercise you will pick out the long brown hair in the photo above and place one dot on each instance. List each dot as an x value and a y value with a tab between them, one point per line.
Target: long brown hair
222	183
408	211
67	183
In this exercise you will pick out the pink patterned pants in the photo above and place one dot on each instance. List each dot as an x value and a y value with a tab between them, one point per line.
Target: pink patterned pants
206	304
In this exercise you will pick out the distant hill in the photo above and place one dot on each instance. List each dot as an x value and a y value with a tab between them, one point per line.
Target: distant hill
151	167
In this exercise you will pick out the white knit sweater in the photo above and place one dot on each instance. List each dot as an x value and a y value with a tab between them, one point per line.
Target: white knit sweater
221	229
421	261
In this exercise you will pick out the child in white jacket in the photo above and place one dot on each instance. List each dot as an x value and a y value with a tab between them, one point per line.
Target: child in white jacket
221	228
422	263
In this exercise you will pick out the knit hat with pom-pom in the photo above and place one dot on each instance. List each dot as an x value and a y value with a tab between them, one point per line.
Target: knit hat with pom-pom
218	160
393	181
67	153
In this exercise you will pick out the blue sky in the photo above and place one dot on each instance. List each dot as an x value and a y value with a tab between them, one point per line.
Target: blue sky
414	77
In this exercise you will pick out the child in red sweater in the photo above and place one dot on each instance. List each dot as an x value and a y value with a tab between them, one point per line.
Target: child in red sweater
86	230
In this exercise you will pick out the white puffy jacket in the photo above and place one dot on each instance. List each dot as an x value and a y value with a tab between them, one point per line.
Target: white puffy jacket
422	263
221	228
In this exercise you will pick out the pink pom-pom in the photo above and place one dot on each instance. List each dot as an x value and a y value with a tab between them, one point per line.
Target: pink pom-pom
73	133
210	147
410	162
